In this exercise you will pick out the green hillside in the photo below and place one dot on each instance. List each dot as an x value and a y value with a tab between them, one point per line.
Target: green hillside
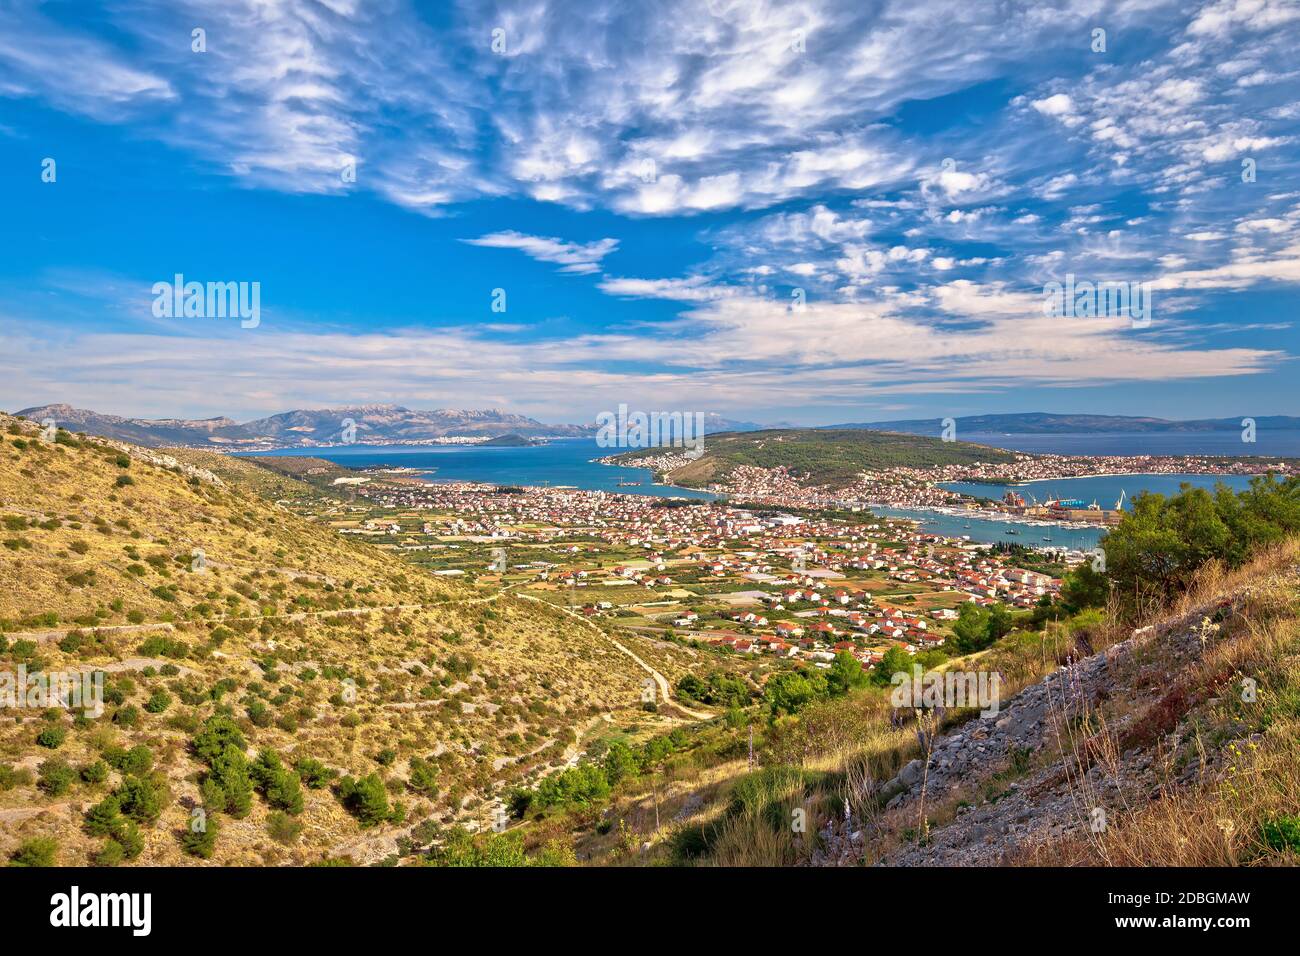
825	456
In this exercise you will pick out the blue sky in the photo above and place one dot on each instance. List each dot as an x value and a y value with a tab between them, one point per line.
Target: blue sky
655	186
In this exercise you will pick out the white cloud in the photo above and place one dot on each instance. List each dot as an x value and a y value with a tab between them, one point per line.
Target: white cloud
578	258
1058	104
1264	225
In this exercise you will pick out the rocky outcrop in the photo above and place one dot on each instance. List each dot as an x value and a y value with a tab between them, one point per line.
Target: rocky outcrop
1040	769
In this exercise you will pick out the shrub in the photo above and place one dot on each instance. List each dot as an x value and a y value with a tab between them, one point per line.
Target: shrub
158	701
200	837
313	773
55	777
111	855
140	799
277	783
52	737
1281	833
135	762
580	785
39	851
219	732
283	828
228	786
790	691
96	772
366	799
11	777
104	817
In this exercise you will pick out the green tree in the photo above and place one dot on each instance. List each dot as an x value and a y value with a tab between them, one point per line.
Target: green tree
219	732
423	776
230	778
277	783
971	629
895	661
790	691
846	674
365	798
620	762
140	799
1084	587
103	817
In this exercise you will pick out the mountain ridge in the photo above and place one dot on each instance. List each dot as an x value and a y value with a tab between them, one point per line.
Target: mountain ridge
1062	423
365	424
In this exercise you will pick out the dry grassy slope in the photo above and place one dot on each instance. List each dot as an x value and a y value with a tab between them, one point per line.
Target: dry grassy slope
493	687
1152	726
1150	752
165	516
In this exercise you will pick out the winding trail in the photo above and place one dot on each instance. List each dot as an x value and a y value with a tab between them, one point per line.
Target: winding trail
665	689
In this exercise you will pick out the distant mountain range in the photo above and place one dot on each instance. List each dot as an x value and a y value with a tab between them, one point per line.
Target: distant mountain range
374	424
307	428
1029	423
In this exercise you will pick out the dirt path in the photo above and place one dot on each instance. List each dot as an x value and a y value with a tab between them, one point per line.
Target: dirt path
665	689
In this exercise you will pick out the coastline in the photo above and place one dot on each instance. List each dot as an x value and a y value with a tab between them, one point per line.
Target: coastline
1113	474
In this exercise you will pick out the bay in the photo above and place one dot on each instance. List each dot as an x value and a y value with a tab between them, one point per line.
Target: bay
1104	489
561	461
990	531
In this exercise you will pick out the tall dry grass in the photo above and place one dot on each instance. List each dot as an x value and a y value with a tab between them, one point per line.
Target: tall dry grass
1231	817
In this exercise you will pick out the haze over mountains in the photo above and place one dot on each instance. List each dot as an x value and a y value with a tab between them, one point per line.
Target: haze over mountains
374	425
1024	423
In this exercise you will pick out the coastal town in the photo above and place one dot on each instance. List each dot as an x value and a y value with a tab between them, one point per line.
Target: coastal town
912	487
787	584
775	566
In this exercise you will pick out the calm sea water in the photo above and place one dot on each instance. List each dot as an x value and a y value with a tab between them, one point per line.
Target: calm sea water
1104	490
564	461
988	531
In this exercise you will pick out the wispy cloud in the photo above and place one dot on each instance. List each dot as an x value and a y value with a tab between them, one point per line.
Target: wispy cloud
573	257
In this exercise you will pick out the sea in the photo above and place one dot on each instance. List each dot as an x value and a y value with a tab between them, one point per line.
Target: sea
571	462
559	462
